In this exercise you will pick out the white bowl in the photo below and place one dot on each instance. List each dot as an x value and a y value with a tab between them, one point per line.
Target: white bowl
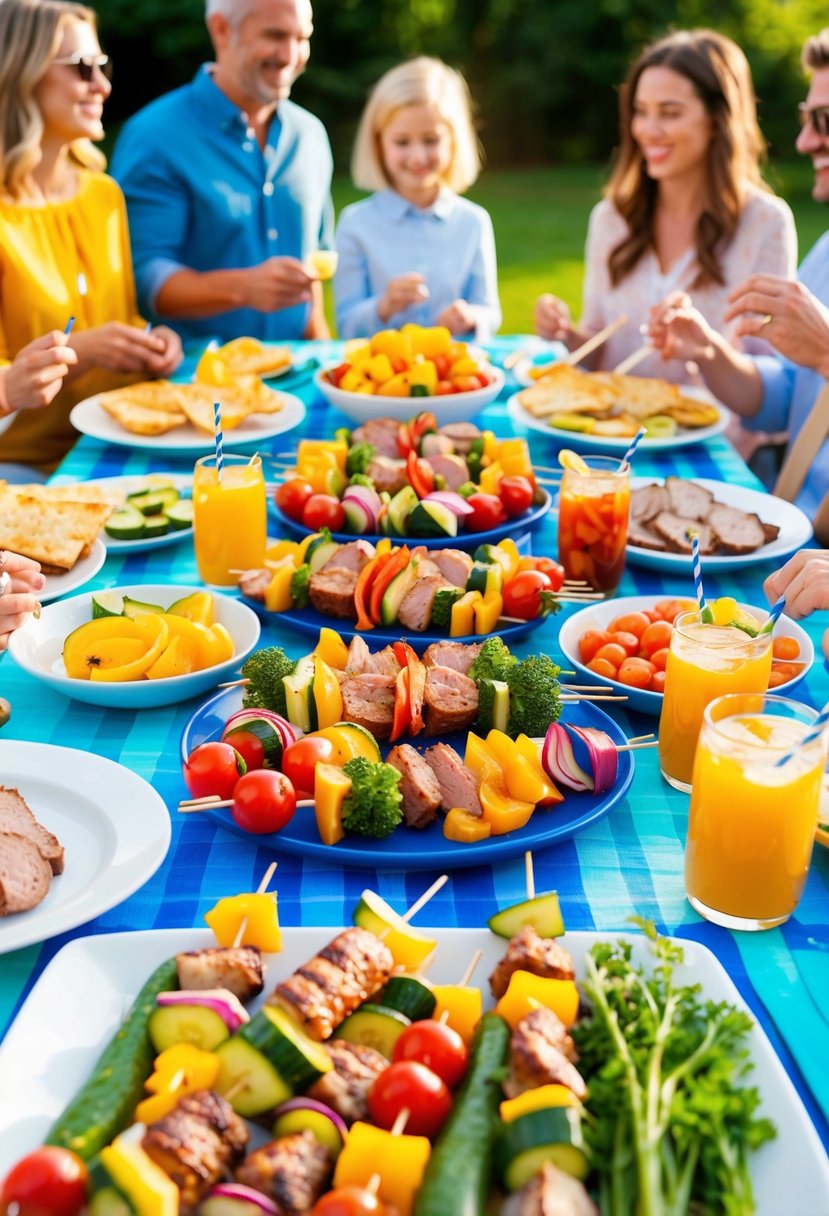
38	645
456	407
599	616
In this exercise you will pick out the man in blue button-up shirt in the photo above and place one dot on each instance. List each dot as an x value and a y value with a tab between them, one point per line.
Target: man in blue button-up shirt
228	185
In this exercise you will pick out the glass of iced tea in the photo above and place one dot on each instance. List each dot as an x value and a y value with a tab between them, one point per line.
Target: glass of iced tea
593	522
752	820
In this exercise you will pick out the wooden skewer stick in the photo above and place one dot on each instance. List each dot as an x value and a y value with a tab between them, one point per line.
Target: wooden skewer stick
425	897
234	683
398	1127
641	738
589	687
637	747
530	874
237	1086
464	980
214	803
633	360
568	699
587	348
260	890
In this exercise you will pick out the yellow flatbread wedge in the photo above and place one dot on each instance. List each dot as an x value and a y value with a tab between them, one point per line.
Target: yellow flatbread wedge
639	395
247	356
141	419
565	389
56	534
74	493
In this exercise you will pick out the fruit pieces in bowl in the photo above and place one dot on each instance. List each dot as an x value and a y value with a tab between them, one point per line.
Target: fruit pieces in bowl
411	362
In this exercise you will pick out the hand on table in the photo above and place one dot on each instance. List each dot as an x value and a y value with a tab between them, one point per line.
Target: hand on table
278	283
787	315
18	592
36	376
552	319
458	317
804	581
400	294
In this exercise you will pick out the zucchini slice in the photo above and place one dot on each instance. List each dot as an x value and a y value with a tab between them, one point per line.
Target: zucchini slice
395	593
299	695
543	913
298	1059
400	508
257	1086
409	996
374	1026
196	1024
523	1147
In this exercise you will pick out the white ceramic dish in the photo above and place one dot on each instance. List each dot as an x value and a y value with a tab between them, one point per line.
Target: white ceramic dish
795	529
599	616
114	827
602	443
457	407
91	419
37	648
125	485
44	1059
82	571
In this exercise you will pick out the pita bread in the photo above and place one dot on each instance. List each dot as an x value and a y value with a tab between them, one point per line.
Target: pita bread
615	402
56	534
141	419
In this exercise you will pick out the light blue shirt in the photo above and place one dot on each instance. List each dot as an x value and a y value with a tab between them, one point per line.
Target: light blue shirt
202	195
451	244
790	391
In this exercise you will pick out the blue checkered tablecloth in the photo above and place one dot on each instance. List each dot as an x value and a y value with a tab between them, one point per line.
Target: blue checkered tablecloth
629	863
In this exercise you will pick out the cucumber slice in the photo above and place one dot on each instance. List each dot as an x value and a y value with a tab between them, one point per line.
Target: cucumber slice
486	577
196	1024
523	1146
109	1202
500	705
543	913
442	607
180	514
265	731
257	1086
432	519
318	1124
395	593
156	525
319	552
148	502
107	603
125	524
167	494
299	695
298	1059
409	996
374	1026
400	508
132	608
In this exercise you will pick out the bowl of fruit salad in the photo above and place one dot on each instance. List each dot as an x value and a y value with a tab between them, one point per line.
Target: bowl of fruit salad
623	643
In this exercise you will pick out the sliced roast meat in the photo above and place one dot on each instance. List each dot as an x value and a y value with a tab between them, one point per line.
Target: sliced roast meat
346	1088
689	499
641	535
254	583
770	531
368	701
238	968
453	564
25	874
462	434
674	530
358	658
418	785
647	501
550	1193
16	816
457	783
384	662
450	701
352	556
737	531
453	469
415	612
292	1171
388	474
197	1144
458	655
536	1056
436	445
331	592
381	433
528	951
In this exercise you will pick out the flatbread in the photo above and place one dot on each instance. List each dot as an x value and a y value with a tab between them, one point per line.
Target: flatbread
80	492
56	534
615	402
141	419
157	406
247	356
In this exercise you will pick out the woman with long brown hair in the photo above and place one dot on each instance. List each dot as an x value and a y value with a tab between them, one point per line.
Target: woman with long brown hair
686	207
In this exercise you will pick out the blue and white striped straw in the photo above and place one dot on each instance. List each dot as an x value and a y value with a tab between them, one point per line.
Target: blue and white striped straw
637	439
705	612
67	329
768	626
815	731
217	432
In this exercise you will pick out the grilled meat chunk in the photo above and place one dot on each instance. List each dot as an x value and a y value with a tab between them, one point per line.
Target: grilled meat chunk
352	556
359	657
550	1193
197	1143
462	434
415	612
381	432
453	469
293	1171
737	531
688	499
450	701
453	564
537	1056
674	530
346	1088
457	784
529	952
458	655
331	592
388	474
254	583
435	445
16	816
330	986
25	874
368	700
418	785
237	968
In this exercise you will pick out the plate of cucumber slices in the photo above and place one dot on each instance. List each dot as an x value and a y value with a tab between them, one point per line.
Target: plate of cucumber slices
154	510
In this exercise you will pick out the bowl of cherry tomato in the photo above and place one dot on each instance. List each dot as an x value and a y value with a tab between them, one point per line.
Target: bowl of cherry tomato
623	643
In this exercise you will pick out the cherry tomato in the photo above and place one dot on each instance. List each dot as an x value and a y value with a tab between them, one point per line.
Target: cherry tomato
441	362
601	667
636	673
630	622
414	1087
524	594
292	496
488	512
213	768
657	683
349	1201
669	610
785	648
263	801
323	511
516	494
437	1046
656	637
48	1182
444	388
553	570
336	374
466	384
613	653
249	746
628	641
300	759
591	641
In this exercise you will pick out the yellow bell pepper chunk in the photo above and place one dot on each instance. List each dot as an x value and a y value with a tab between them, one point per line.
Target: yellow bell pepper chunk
480	760
309	449
465	366
379	369
508	547
353	378
278	596
464	828
262	930
327	696
424	373
488	612
463	615
393	343
332	649
464	1006
367	388
527	992
529	750
357	351
502	812
436	340
490	479
324	474
283	549
383	546
544	1098
523	781
399	1160
179	1070
490	445
150	1190
331	788
397	386
514	455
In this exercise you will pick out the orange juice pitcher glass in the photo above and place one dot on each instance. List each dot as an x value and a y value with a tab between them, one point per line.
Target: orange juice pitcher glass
229	517
752	820
593	522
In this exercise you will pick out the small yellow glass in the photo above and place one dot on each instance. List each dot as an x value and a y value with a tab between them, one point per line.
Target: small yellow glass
229	518
323	262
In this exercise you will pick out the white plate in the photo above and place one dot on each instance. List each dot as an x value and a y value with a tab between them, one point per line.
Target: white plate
37	647
45	1058
456	407
91	419
82	571
603	443
125	485
114	827
539	354
599	616
795	529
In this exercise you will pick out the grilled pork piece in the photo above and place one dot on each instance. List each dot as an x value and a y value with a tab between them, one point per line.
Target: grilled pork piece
737	531
331	592
381	432
529	952
457	655
688	499
462	434
418	785
352	556
388	474
254	583
346	1088
450	701
457	784
647	501
641	535
453	469
435	445
16	816
674	529
453	564
237	968
293	1171
536	1056
359	657
197	1144
550	1193
368	700
415	612
25	874
384	662
329	987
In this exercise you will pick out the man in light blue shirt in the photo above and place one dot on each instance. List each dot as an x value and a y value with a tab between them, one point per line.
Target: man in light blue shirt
228	185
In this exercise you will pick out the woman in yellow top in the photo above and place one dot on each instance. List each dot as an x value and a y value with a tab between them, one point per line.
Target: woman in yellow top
64	245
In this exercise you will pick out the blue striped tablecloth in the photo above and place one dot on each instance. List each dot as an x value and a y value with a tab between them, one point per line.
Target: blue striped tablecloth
629	863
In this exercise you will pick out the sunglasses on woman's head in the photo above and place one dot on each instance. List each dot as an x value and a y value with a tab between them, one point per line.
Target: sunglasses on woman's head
818	116
86	65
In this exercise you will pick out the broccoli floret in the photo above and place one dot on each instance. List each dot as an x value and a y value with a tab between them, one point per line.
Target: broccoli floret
493	662
299	586
265	670
467	489
534	696
360	479
372	808
359	458
344	434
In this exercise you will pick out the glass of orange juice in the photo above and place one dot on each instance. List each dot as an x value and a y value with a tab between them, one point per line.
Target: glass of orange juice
229	517
752	820
593	522
704	662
